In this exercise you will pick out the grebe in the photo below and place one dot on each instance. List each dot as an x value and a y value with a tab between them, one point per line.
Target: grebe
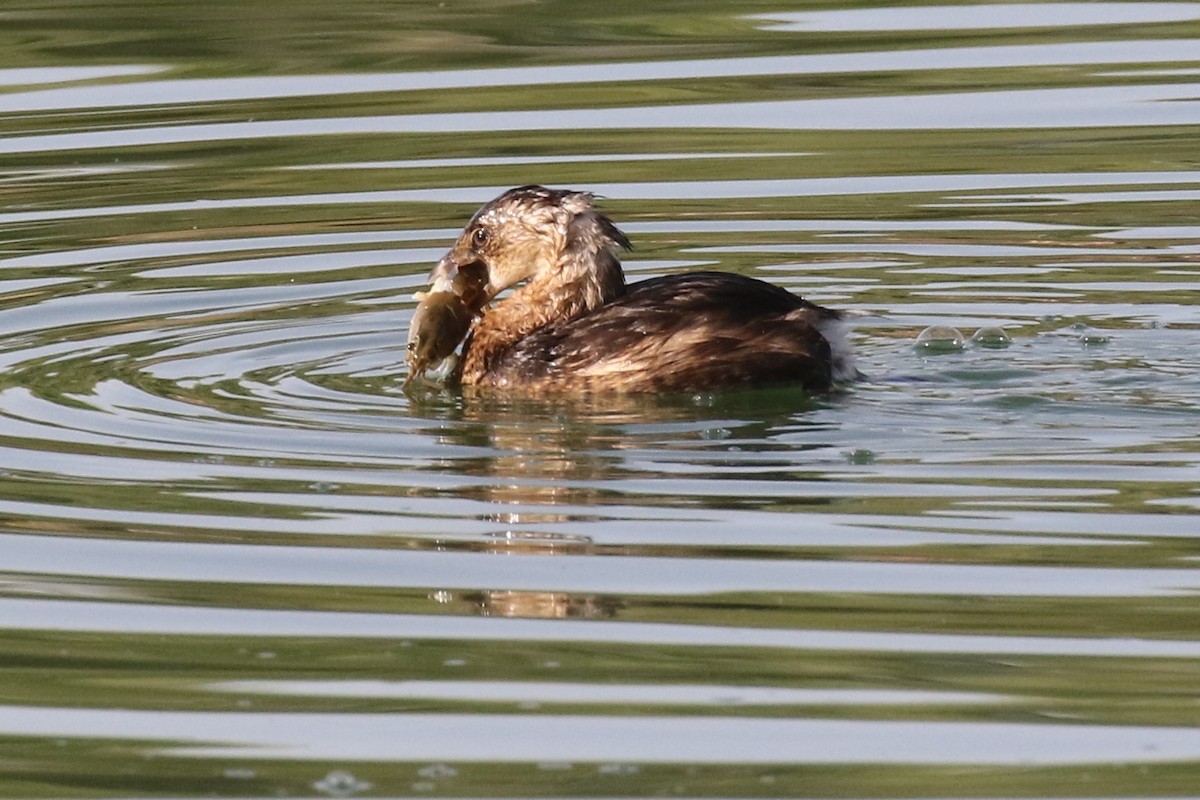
575	326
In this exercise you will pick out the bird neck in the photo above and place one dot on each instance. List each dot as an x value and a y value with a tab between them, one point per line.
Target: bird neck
577	287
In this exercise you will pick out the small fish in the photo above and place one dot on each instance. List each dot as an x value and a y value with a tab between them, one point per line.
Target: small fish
442	319
440	322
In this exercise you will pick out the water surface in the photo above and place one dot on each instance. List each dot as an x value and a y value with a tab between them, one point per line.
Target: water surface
238	559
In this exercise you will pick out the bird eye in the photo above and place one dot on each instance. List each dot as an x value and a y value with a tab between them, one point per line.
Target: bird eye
479	237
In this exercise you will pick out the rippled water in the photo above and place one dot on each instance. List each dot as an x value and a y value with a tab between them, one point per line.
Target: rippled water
237	559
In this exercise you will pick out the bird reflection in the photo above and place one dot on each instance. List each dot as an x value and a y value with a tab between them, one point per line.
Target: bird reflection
541	605
549	468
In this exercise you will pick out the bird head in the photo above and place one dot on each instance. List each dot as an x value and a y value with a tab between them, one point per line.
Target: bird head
534	233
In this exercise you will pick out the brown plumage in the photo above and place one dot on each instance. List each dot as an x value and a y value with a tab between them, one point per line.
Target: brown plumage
575	326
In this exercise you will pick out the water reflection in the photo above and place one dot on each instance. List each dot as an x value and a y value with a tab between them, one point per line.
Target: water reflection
645	740
1147	189
218	90
130	619
632	574
1078	107
614	694
543	605
984	17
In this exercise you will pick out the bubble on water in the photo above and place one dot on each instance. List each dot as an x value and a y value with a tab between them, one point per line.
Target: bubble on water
618	769
1084	334
940	339
991	337
437	771
341	783
861	456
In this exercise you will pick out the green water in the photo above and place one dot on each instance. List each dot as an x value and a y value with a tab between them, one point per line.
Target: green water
237	559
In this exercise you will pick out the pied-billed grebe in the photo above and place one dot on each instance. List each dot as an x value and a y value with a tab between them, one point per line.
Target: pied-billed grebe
576	326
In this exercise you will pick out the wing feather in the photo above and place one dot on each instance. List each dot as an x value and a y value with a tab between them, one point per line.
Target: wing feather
694	331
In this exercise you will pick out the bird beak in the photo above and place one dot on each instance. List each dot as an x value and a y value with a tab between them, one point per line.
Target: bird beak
444	271
463	274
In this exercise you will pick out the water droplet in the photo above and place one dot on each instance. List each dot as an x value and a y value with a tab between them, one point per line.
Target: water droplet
940	339
991	337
